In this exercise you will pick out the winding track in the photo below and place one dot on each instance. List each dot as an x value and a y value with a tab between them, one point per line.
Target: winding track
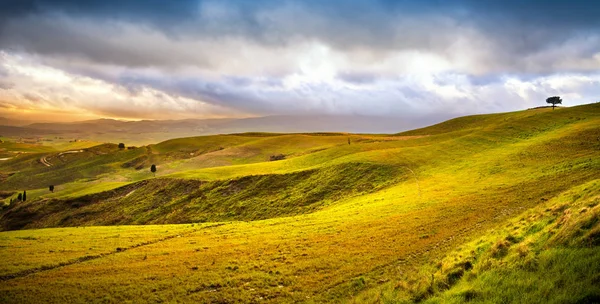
45	162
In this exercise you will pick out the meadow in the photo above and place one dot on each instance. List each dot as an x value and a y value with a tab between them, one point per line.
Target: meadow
489	208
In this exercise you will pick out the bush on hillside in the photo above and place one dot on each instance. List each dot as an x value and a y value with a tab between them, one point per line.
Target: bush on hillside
277	157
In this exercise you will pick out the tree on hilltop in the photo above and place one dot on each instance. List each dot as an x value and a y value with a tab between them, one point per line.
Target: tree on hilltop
554	100
153	169
121	146
24	195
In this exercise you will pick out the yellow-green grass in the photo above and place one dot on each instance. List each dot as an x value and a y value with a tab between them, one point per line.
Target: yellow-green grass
170	156
61	246
66	145
75	189
547	254
458	185
162	200
29	172
259	149
286	259
10	149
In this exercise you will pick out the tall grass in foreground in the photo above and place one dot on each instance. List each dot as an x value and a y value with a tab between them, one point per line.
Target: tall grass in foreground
549	254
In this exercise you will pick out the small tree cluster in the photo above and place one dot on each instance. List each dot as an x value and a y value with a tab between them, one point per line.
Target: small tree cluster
22	196
121	146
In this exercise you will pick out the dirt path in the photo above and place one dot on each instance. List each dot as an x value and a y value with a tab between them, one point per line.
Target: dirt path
44	159
70	152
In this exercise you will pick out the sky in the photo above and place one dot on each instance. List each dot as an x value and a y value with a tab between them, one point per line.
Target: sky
159	59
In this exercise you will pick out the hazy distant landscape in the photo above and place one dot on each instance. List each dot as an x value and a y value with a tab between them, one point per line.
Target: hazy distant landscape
152	131
356	151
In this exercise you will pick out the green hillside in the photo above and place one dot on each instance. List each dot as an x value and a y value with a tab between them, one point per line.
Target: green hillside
487	208
169	200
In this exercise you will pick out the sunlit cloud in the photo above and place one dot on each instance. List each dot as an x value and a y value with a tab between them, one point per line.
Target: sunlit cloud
38	88
233	59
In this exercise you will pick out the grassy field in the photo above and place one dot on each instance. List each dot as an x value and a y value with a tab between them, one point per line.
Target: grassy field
481	208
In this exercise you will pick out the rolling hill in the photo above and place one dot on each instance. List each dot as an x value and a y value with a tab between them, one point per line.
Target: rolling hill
486	208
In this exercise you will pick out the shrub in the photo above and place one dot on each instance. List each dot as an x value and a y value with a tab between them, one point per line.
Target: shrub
500	249
277	157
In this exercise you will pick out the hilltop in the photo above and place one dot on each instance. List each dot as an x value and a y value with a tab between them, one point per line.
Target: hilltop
433	214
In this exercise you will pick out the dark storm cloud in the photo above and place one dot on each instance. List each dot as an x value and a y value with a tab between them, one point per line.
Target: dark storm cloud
520	27
579	14
373	15
136	10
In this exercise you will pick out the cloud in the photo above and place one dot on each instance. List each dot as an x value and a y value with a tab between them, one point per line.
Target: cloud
403	96
221	58
475	38
46	88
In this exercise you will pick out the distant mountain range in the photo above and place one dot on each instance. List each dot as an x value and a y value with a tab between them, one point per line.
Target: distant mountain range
14	122
277	124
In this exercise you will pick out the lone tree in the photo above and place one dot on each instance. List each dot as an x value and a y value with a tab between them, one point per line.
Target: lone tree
51	188
24	195
153	169
554	100
121	146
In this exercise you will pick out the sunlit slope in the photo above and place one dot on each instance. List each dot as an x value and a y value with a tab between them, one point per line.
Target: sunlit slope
168	200
550	254
455	186
538	144
29	172
547	254
107	161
